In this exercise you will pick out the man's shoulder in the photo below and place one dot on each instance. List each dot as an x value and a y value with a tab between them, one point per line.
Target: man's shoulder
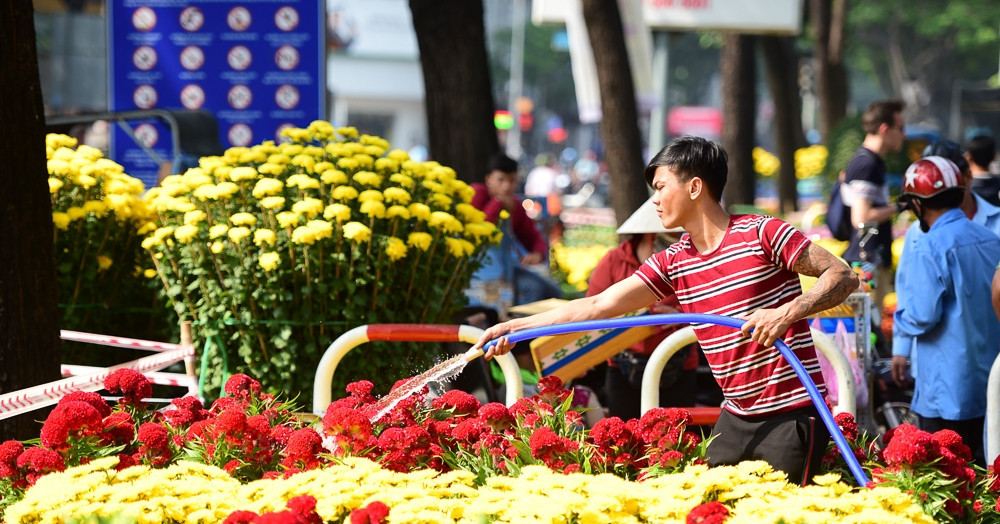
865	164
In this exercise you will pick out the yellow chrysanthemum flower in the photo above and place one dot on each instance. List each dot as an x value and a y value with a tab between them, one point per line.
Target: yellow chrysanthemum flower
454	247
264	236
304	161
445	222
185	233
397	195
86	181
302	182
441	200
338	212
402	180
348	164
237	234
288	219
321	228
103	262
309	207
267	187
357	232
217	247
303	235
194	217
243	173
332	177
419	211
386	165
344	193
272	202
149	273
60	220
367	178
243	219
395	248
55	185
397	212
218	230
269	261
348	132
75	213
420	240
373	209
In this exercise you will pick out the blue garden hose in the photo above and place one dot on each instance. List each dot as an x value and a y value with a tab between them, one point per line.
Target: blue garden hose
687	318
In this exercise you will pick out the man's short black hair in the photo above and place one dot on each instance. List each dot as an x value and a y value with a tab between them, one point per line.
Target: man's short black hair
982	149
501	162
693	156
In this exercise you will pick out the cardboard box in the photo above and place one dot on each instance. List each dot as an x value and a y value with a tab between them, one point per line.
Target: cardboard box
569	356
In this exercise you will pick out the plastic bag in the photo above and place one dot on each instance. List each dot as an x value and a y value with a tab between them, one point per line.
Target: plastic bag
845	341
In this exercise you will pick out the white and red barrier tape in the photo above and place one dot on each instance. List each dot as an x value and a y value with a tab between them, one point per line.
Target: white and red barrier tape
156	377
47	394
118	342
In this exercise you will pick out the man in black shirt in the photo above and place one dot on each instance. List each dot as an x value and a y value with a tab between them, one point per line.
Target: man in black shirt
866	192
979	152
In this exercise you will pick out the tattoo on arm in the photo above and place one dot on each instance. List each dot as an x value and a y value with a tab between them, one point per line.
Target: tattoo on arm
835	281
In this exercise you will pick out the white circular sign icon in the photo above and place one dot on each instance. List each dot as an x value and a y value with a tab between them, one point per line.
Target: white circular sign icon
192	96
239	96
239	58
192	58
240	135
287	96
144	96
239	18
144	58
286	57
192	19
144	19
146	134
286	18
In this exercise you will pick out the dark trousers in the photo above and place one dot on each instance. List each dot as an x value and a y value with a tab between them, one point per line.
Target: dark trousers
622	400
793	442
971	431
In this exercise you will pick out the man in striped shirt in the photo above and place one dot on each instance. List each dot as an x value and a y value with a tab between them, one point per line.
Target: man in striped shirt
744	266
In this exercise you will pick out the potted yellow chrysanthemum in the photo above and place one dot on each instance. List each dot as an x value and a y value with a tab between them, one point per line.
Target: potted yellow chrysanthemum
99	218
275	250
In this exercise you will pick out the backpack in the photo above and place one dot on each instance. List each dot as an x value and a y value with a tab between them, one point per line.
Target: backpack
838	216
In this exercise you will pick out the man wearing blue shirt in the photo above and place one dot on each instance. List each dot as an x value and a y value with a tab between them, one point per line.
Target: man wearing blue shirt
943	292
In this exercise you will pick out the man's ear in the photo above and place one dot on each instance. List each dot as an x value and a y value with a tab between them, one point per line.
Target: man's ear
695	186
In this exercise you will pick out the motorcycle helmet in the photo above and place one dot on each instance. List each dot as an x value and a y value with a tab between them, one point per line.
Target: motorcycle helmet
931	176
947	149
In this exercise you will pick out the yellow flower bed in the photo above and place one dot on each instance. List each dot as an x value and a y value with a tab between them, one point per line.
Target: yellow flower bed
188	492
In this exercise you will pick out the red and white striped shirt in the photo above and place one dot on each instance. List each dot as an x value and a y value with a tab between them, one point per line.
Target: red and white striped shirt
750	270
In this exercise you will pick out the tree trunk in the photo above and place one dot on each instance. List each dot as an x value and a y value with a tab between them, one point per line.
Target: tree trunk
830	74
458	98
619	120
782	76
739	105
29	319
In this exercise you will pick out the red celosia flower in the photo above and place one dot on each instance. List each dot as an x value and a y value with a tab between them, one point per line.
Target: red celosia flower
242	387
952	441
470	431
91	398
224	403
709	513
551	391
303	446
69	419
186	411
848	426
231	423
351	431
132	385
909	446
119	429
663	422
125	460
549	447
671	458
404	449
36	462
361	390
304	507
280	434
9	451
459	402
154	440
231	466
240	517
497	416
374	513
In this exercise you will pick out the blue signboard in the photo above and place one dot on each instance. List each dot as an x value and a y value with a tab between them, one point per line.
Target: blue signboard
257	66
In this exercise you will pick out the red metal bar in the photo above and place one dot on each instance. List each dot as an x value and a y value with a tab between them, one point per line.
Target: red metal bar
413	332
704	416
